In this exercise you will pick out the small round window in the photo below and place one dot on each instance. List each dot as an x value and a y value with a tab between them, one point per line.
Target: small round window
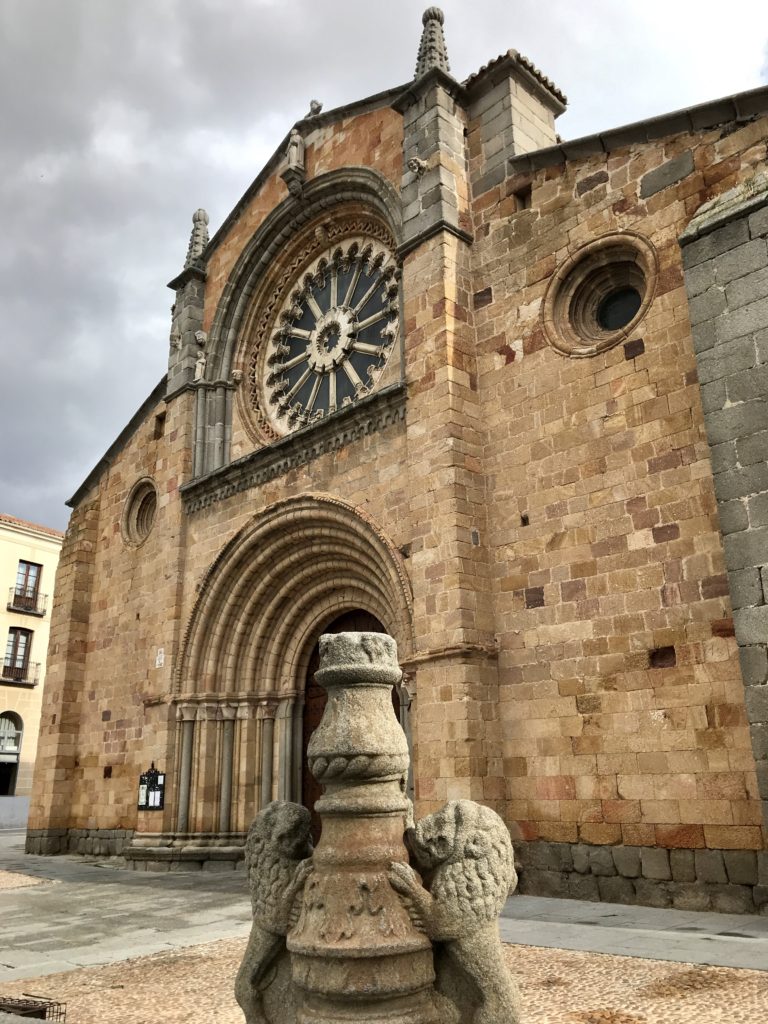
600	294
140	512
618	308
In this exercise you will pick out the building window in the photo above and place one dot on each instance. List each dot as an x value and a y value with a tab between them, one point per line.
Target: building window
600	294
11	730
25	596
16	661
140	512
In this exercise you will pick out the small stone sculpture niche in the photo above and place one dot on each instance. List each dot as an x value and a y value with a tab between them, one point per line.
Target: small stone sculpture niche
351	931
294	173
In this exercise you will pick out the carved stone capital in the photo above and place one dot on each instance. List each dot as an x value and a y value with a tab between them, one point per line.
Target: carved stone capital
208	712
186	712
267	708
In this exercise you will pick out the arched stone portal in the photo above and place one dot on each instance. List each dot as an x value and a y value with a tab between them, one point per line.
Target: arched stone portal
299	566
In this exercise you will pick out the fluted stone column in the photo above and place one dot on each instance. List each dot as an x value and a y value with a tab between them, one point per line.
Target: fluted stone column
248	775
267	715
285	749
355	953
206	791
227	754
186	714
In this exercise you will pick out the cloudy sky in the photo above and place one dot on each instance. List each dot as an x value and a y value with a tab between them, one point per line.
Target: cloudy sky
119	119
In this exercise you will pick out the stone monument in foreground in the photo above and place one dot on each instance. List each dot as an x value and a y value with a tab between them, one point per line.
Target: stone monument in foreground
350	931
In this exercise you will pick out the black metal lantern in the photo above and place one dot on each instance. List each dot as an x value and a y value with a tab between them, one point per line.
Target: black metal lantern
151	790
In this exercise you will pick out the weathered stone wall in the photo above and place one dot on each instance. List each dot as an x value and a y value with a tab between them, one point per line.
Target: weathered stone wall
65	677
621	707
506	117
116	606
725	253
93	842
727	881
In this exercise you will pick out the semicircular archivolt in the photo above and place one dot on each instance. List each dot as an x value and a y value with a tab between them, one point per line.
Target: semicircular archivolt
284	576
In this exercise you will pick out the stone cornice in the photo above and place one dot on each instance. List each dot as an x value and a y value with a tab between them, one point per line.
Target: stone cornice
479	650
741	107
435	76
434	229
344	427
193	272
745	198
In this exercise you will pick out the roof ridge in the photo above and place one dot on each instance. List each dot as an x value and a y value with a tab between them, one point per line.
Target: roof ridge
15	521
524	62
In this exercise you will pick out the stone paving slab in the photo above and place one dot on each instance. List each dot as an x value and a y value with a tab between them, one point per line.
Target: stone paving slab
557	986
726	940
101	913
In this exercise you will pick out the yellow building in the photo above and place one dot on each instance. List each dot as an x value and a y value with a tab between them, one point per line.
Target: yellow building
29	555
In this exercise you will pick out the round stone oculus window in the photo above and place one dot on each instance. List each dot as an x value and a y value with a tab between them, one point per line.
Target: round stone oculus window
598	297
140	512
333	336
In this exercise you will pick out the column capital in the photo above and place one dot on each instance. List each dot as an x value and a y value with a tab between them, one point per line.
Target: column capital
186	712
267	708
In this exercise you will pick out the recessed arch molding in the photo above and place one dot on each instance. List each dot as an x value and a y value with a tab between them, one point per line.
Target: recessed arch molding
239	686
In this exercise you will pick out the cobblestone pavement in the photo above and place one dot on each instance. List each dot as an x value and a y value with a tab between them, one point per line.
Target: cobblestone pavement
558	987
14	880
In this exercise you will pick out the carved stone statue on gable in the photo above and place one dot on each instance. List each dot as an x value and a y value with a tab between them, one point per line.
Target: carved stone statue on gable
200	365
294	174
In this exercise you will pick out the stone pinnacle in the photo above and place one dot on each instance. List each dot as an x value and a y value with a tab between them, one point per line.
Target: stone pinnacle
432	51
199	237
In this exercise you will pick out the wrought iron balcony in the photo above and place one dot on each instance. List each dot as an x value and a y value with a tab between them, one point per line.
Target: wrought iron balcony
24	675
27	601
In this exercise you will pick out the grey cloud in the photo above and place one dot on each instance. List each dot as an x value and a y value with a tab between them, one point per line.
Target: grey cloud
121	119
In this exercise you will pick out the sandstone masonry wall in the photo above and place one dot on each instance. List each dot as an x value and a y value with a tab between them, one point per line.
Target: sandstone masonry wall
621	702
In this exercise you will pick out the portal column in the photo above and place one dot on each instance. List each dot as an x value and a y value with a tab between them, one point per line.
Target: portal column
285	749
186	714
267	715
247	782
227	713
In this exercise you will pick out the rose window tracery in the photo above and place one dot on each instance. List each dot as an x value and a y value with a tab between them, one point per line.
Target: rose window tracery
333	334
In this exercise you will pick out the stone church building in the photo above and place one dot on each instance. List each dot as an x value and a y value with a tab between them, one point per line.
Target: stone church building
444	375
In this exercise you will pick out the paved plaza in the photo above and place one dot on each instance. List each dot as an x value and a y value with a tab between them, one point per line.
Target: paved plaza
135	947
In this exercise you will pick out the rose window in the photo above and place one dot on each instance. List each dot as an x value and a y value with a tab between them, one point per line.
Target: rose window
334	335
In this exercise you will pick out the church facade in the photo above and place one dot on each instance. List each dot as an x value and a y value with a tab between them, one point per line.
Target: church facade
443	375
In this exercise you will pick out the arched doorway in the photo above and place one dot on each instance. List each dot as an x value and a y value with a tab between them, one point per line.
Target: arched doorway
11	729
288	576
315	698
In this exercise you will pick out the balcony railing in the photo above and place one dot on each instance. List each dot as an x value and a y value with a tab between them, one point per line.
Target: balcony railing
26	675
26	600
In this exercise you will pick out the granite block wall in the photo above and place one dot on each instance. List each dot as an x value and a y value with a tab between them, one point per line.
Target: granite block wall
725	253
